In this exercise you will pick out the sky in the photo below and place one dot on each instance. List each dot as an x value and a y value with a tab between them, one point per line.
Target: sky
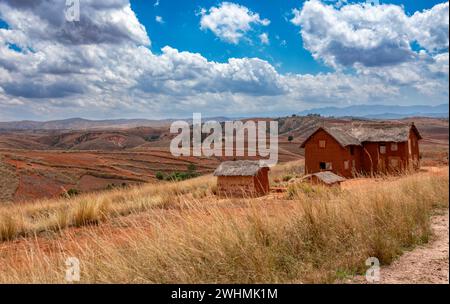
167	59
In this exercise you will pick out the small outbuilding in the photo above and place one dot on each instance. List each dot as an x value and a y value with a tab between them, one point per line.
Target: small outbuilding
325	178
242	178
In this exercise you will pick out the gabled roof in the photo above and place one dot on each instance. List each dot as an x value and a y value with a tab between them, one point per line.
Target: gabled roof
342	137
239	168
368	133
326	177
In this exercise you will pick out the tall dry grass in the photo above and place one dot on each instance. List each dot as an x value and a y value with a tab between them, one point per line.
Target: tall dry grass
287	170
318	235
25	220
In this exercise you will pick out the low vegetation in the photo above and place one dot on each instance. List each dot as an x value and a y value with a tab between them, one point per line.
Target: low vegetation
42	216
178	176
316	234
70	193
8	181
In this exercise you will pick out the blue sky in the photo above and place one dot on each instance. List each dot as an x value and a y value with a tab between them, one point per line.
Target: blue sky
141	58
181	30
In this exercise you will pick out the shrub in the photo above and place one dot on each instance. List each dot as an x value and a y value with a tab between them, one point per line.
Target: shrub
153	138
180	176
191	167
70	193
159	175
287	177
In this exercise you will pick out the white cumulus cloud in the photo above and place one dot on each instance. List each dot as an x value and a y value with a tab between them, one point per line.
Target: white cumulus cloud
368	35
430	28
229	21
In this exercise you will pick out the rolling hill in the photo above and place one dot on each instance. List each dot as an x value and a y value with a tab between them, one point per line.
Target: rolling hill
44	163
86	124
381	111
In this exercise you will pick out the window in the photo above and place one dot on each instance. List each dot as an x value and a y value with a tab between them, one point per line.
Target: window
352	150
353	164
409	146
326	166
382	149
346	165
322	143
394	147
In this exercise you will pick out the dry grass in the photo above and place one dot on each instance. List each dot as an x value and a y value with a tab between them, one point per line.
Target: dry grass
318	235
8	182
88	209
287	171
434	155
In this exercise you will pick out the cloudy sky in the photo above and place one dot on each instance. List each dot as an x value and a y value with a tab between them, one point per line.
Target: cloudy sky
161	58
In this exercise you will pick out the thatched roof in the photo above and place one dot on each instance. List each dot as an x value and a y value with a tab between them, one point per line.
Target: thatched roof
326	177
341	136
367	133
238	168
383	133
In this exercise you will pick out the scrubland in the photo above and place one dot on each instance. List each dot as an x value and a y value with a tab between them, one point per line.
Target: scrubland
182	233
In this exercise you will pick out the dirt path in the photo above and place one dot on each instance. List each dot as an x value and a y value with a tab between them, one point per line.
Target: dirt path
428	264
425	264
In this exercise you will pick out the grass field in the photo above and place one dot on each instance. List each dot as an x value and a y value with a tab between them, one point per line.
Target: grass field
182	233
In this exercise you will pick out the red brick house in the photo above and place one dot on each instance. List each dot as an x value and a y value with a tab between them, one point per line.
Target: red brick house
242	178
377	148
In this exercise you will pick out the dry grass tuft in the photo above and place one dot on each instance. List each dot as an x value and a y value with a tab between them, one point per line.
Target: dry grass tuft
9	227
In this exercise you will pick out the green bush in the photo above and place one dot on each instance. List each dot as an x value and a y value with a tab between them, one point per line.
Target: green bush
287	177
72	192
153	138
192	167
180	176
159	176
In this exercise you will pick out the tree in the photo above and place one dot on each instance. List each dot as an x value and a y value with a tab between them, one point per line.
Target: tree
290	138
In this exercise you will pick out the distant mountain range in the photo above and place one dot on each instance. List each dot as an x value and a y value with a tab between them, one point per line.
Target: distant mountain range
85	124
381	111
362	111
